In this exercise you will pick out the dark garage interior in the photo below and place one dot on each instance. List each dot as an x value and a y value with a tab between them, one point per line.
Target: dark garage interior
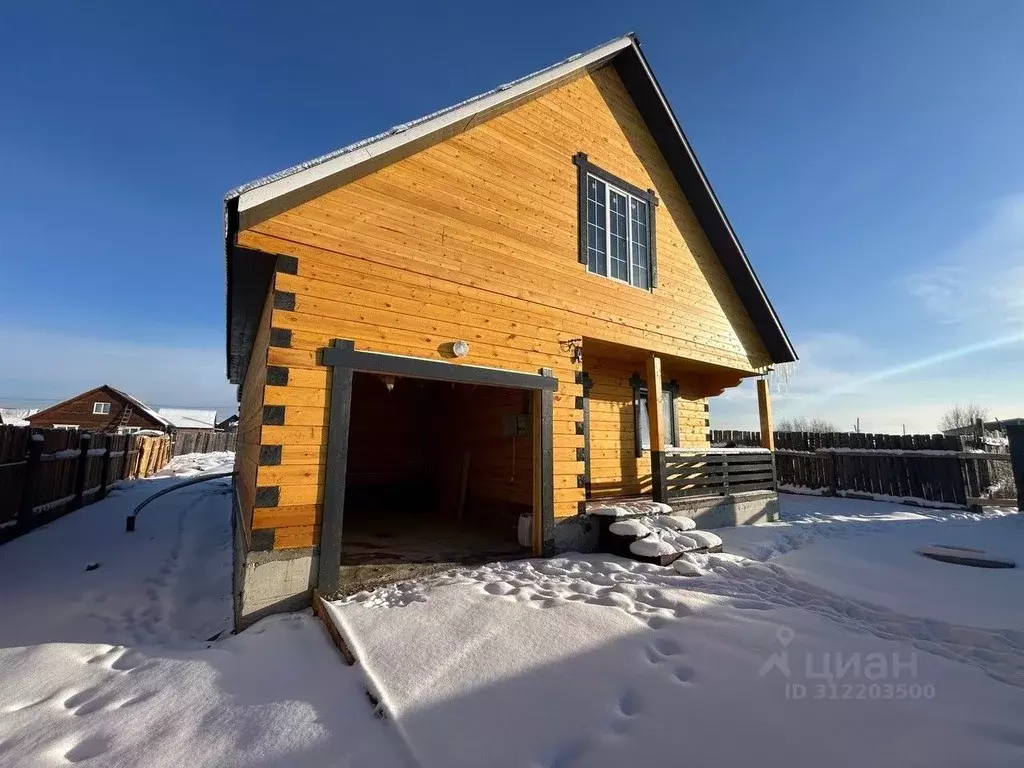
438	474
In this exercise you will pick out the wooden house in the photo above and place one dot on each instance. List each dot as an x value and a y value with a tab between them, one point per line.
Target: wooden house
102	409
487	317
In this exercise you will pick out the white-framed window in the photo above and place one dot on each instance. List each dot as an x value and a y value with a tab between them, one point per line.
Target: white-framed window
101	409
618	233
128	430
65	426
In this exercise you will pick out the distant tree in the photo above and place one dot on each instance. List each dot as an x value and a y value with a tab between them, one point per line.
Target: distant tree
960	416
803	424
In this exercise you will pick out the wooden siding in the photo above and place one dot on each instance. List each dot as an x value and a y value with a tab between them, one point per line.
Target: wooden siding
78	411
615	469
476	238
250	420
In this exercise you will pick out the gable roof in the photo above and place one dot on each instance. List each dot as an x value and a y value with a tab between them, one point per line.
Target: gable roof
190	418
259	200
133	400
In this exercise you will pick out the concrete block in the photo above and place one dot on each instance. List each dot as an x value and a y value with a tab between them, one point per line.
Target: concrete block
738	509
271	582
576	534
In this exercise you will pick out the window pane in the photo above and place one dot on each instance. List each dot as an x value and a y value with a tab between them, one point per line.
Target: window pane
666	415
645	424
596	261
671	439
639	243
618	261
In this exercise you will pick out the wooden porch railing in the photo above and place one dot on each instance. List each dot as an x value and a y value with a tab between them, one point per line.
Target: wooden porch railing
718	472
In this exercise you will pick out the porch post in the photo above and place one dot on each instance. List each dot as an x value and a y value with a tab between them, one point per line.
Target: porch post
764	407
332	519
655	418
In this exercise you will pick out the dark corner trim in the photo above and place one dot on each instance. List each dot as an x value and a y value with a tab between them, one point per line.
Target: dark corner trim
578	404
273	415
277	376
287	264
347	356
280	337
581	481
268	496
587	382
284	300
270	455
580	428
581	454
339	416
546	441
262	540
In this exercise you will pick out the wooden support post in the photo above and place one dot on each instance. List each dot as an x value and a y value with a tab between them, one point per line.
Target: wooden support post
28	489
81	465
332	520
656	419
764	408
1015	432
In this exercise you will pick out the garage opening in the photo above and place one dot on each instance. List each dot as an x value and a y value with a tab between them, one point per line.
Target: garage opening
438	473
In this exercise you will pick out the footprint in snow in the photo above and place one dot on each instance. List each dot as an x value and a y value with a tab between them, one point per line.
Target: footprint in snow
629	704
666	646
683	673
93	746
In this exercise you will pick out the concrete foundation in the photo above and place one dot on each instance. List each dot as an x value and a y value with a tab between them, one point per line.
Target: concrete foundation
576	534
270	582
737	509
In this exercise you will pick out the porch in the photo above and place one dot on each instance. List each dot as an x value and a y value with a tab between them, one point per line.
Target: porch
647	440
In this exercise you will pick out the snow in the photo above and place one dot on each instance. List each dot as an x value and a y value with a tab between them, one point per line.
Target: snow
634	508
719	660
114	666
652	546
189	418
823	639
190	464
677	522
629	527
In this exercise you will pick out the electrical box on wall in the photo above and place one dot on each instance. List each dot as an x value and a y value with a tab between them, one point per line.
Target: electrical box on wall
516	424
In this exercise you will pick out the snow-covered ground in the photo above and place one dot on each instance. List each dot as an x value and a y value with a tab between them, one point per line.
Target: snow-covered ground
820	640
574	661
115	667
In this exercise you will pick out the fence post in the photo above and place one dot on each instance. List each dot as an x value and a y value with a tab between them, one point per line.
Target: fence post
35	450
834	472
105	475
1015	432
81	464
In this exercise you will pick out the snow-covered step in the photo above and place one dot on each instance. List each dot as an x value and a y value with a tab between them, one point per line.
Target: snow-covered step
659	539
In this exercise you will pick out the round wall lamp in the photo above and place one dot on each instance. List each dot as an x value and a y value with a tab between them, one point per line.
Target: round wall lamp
460	348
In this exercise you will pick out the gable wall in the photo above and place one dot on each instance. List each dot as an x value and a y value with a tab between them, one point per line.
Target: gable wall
78	411
476	239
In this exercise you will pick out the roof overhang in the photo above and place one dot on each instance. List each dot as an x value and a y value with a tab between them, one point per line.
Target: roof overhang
262	199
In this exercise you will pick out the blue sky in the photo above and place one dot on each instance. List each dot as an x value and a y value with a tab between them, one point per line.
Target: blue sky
868	154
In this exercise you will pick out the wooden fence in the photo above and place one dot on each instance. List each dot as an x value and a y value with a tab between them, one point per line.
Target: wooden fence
45	473
706	473
934	469
201	441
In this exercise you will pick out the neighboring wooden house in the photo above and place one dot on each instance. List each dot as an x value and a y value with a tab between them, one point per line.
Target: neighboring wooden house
230	424
472	308
103	409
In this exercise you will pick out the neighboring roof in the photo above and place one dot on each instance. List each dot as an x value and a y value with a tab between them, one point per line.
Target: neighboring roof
133	400
232	419
15	417
259	200
189	418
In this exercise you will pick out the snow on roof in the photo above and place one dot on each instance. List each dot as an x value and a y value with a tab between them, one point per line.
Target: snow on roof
190	418
143	407
16	417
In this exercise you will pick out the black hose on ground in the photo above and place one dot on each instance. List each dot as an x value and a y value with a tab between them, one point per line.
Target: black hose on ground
129	523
